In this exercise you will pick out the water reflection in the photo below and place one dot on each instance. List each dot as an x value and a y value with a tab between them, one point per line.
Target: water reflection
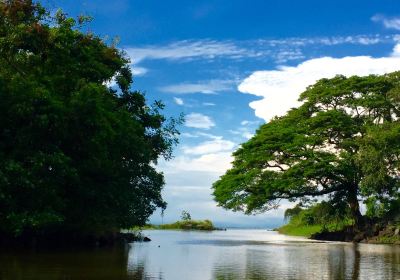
108	263
261	255
313	261
235	254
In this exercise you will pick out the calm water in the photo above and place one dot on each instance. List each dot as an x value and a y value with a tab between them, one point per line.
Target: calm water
232	254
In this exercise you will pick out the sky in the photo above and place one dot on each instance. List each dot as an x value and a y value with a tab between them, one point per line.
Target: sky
232	65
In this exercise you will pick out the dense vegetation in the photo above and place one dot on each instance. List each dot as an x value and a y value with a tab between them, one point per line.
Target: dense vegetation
185	225
323	221
342	144
77	155
323	216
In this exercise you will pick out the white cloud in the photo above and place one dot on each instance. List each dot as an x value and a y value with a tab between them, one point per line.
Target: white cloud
138	71
208	104
212	163
208	147
198	134
280	89
243	132
388	22
328	41
286	55
280	49
396	51
188	49
246	122
208	135
205	87
197	120
188	187
179	101
189	135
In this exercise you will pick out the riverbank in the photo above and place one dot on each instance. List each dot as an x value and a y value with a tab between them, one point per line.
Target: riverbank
373	234
64	239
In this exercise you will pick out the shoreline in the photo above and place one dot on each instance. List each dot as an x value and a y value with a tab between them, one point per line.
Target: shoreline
384	235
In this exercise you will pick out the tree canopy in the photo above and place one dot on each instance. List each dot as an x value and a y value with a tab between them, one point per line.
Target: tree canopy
342	144
75	153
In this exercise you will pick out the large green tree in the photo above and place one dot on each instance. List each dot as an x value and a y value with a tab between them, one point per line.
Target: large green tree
75	153
341	144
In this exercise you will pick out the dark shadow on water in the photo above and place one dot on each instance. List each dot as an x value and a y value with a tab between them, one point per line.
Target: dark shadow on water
79	264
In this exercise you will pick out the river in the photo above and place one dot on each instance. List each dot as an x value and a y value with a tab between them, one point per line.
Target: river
231	254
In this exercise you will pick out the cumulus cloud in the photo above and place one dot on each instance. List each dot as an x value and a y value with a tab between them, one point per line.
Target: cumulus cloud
388	22
280	88
211	146
205	87
197	120
178	101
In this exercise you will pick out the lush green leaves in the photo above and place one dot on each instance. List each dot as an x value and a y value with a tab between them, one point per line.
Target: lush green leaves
341	143
75	153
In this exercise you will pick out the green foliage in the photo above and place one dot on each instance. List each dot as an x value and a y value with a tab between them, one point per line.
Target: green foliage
322	216
75	153
184	225
295	229
292	212
185	216
189	225
384	208
341	143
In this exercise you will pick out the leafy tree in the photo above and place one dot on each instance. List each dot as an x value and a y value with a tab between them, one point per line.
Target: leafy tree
76	154
292	212
341	143
185	216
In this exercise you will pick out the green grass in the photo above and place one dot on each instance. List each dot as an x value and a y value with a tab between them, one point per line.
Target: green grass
184	225
297	227
299	230
388	239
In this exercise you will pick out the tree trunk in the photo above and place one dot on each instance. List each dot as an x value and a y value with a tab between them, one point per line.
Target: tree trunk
355	209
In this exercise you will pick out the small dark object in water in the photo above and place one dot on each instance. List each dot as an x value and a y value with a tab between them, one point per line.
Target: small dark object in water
158	246
146	239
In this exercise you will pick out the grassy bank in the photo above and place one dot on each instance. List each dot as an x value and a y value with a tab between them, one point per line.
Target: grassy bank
185	225
372	233
388	235
299	230
310	221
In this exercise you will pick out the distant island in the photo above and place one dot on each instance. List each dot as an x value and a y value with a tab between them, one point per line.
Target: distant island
184	225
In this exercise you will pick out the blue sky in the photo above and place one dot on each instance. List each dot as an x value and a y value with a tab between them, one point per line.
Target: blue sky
231	66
